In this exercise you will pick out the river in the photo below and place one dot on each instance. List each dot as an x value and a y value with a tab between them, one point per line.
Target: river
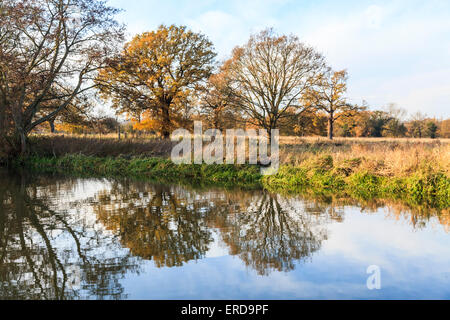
103	238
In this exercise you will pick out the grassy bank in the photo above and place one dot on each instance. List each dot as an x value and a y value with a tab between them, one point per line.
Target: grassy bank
153	168
425	186
423	181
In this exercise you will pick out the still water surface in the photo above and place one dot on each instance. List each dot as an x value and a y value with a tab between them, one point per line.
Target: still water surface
72	238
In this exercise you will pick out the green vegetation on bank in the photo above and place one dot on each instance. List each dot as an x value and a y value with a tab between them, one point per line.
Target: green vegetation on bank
154	168
426	185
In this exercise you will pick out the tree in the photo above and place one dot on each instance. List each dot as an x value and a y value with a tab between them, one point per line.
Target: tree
395	128
396	112
49	50
218	100
269	74
328	96
417	125
157	71
377	123
445	129
74	114
307	123
431	130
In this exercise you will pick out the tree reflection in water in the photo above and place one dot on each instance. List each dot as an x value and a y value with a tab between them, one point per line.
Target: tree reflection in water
49	250
57	242
272	233
172	225
158	223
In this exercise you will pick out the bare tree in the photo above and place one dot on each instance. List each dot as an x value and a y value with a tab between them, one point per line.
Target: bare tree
50	51
417	125
269	75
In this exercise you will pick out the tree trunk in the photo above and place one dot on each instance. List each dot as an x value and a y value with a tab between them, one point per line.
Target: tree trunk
20	142
330	128
3	130
2	121
52	125
166	122
216	122
269	133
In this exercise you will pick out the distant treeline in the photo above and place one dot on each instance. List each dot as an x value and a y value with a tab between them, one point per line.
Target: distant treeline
360	124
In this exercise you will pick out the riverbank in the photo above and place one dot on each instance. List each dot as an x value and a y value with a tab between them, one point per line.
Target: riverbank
425	184
160	169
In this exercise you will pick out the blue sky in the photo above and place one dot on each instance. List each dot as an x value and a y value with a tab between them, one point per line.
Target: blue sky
395	51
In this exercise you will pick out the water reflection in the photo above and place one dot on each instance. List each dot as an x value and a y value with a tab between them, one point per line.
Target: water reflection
155	222
76	239
172	225
272	233
46	253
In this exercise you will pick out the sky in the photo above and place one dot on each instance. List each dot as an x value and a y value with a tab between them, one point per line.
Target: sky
395	51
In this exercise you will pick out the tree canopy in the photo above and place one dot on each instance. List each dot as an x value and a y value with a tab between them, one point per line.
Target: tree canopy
269	74
157	72
328	96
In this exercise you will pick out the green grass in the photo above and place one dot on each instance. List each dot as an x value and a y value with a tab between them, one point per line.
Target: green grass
318	176
153	168
420	188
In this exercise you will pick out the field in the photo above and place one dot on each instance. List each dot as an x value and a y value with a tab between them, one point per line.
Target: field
387	157
384	156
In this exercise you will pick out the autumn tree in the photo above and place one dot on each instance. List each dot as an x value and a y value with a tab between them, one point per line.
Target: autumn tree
378	122
445	129
328	96
395	127
49	50
307	123
157	71
217	101
149	120
269	75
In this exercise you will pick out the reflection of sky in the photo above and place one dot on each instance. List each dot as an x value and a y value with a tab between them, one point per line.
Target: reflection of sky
414	265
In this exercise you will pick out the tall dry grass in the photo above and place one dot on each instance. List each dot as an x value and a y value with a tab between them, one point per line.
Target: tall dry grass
384	156
392	157
58	146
